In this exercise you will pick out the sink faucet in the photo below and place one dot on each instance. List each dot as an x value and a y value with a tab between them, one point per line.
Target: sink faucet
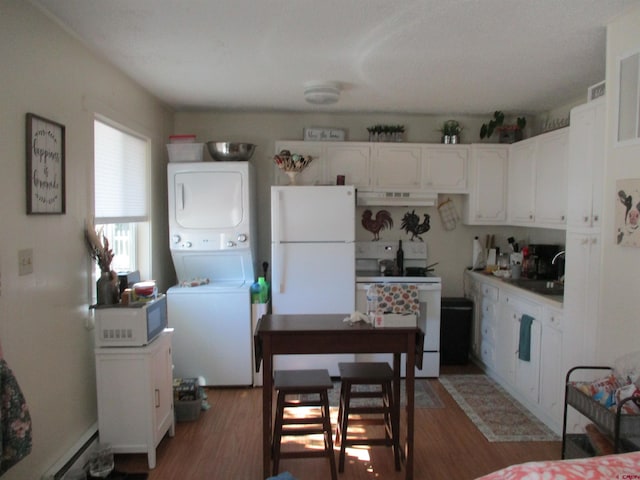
553	261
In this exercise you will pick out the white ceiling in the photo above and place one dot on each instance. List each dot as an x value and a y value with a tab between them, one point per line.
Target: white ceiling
403	56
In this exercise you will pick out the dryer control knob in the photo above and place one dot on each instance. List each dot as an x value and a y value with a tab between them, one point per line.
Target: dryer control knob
242	238
176	238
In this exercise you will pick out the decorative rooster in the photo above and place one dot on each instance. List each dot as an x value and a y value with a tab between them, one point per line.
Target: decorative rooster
411	224
374	225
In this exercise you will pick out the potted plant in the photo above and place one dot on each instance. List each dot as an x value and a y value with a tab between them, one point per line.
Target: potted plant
451	131
508	133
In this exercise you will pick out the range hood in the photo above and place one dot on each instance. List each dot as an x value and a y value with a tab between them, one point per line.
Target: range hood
396	198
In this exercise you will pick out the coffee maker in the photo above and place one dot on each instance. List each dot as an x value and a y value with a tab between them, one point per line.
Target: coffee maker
538	264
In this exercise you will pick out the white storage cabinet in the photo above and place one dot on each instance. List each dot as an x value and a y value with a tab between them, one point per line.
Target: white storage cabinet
135	396
486	203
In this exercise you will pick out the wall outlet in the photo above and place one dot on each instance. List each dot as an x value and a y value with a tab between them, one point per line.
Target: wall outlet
25	261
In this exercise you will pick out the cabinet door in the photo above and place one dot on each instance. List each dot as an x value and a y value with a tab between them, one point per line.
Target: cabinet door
586	165
161	366
581	297
528	373
551	370
486	203
551	161
522	183
444	168
396	166
350	160
314	174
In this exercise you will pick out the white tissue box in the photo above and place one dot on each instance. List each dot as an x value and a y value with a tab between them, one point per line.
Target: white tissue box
394	320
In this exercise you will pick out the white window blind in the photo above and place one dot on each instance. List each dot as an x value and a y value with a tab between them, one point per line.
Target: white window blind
120	175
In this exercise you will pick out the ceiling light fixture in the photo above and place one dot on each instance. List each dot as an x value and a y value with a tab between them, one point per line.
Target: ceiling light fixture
324	93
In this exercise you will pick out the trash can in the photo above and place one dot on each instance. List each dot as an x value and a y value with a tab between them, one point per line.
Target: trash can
456	315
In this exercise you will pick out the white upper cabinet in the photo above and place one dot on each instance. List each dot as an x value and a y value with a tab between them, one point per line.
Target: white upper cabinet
552	158
522	182
349	159
538	180
397	166
486	203
444	168
586	165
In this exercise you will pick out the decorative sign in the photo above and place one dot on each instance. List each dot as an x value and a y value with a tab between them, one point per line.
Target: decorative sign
45	166
628	212
324	134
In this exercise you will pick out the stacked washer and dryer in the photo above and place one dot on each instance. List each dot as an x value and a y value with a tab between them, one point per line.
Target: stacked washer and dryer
212	228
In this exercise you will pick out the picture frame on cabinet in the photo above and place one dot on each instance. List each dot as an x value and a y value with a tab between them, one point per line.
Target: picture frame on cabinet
324	134
45	162
628	212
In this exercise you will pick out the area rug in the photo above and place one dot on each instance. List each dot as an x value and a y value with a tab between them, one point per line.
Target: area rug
494	412
425	396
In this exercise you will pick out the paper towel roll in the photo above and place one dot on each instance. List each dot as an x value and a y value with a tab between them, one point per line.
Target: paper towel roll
477	258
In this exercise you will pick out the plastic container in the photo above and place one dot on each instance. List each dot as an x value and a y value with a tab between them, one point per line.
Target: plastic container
260	291
185	152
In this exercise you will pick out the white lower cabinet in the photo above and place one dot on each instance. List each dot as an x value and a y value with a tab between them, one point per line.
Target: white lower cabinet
539	382
135	396
552	375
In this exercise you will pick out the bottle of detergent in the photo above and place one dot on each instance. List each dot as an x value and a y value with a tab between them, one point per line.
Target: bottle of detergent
260	291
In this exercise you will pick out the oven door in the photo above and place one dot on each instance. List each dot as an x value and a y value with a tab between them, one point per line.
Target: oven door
428	321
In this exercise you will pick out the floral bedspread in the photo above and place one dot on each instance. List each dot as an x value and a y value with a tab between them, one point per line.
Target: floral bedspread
15	421
609	467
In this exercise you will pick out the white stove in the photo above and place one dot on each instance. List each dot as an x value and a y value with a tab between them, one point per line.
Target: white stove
370	258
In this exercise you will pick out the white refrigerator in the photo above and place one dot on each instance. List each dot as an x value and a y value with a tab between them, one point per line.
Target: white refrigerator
313	259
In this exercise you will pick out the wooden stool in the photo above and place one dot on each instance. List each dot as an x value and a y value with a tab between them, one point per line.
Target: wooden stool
367	373
303	382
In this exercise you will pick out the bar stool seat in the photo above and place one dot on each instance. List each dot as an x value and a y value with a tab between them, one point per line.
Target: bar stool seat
308	383
370	374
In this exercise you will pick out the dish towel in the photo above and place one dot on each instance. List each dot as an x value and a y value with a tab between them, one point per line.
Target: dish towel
524	346
448	215
399	298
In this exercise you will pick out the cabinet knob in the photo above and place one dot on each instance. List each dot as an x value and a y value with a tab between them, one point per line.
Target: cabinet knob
596	218
586	219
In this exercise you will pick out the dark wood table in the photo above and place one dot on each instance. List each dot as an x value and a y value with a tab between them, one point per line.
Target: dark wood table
329	334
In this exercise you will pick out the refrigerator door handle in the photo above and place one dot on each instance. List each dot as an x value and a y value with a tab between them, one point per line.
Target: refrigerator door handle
278	261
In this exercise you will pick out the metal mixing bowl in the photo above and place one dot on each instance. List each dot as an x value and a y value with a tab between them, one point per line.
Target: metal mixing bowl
231	152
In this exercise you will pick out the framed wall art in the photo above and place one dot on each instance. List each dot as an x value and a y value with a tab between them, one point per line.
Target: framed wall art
628	212
45	166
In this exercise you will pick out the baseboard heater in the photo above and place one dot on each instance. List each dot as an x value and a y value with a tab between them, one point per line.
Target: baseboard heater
77	456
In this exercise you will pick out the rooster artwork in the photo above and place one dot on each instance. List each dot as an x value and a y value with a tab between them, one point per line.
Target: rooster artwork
411	224
381	221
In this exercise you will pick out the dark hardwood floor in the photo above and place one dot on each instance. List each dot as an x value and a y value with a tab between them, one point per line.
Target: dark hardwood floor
225	444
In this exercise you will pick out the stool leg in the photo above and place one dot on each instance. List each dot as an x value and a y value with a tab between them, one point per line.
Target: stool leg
395	424
328	433
340	413
344	424
277	432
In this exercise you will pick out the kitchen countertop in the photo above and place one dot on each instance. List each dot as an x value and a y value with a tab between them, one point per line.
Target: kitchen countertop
554	301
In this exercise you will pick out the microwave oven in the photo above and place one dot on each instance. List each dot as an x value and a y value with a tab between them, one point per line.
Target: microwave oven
133	325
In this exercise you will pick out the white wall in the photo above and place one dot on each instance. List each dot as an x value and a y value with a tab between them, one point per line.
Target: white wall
620	320
451	249
42	315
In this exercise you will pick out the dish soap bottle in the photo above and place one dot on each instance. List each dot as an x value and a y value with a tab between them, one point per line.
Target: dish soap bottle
400	258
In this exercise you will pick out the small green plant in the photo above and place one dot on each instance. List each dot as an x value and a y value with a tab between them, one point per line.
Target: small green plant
497	122
451	127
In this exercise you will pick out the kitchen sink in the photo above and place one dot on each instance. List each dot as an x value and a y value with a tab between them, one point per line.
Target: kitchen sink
544	287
